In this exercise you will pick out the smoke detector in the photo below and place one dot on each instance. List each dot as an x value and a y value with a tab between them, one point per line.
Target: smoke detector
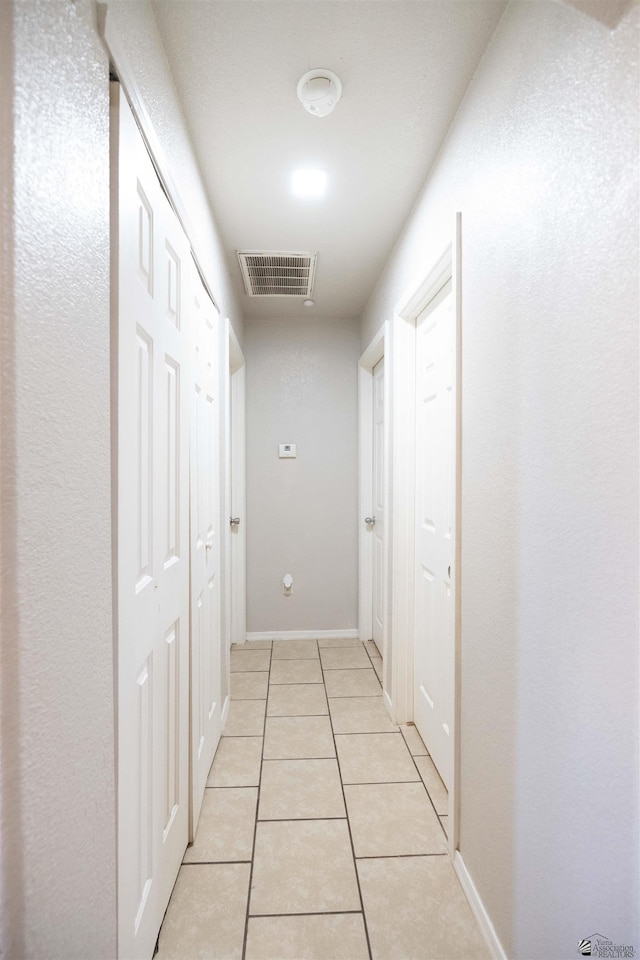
319	91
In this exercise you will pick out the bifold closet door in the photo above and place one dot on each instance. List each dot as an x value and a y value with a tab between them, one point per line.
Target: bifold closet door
206	541
152	267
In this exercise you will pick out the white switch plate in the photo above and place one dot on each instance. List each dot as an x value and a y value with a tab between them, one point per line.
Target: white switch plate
286	451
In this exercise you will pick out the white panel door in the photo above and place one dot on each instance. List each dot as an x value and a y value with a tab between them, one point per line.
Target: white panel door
378	505
206	543
153	544
435	529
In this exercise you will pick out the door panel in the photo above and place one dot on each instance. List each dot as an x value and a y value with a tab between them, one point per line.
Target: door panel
435	529
206	543
378	505
153	547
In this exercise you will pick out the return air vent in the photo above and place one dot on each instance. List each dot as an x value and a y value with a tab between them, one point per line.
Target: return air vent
277	274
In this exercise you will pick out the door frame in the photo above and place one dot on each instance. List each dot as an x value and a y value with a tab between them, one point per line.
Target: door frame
379	348
409	307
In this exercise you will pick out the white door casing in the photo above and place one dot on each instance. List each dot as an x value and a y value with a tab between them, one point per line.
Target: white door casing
206	543
435	534
238	507
378	526
150	263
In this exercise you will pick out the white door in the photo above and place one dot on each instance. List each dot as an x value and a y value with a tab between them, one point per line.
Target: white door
378	505
435	529
238	616
206	543
152	543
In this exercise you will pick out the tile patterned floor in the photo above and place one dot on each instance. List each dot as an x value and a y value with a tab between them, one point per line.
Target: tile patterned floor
323	829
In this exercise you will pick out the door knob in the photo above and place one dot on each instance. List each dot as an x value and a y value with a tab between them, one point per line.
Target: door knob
234	521
370	520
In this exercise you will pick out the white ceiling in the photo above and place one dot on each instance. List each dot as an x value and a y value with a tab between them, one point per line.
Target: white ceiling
404	68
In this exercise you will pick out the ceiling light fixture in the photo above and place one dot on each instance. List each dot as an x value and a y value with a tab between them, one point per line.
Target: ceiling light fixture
319	91
309	183
308	303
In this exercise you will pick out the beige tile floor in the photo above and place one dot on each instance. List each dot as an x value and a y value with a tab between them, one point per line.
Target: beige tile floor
323	828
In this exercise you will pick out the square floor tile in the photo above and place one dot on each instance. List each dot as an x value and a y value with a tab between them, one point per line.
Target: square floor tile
344	658
206	915
295	671
245	719
225	827
295	650
298	738
360	715
433	783
249	686
250	660
415	907
297	700
352	683
371	648
338	936
393	820
236	763
413	740
303	866
252	645
339	642
376	663
295	789
374	758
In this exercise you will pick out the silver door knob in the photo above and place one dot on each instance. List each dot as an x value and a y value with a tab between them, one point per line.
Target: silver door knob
234	521
370	520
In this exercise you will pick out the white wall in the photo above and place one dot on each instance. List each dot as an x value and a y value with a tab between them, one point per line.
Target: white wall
302	513
132	35
542	160
58	784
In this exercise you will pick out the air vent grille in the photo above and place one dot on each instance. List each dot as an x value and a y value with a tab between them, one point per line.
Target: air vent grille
277	274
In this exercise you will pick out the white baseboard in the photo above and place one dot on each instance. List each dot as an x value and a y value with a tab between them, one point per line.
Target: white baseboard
351	634
478	908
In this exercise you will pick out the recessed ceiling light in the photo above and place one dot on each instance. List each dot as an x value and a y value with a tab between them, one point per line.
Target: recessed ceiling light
308	303
309	183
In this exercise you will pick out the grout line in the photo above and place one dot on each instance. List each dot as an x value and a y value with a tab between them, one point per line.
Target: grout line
231	786
400	856
215	863
370	733
294	716
255	826
353	852
289	819
378	783
425	789
318	913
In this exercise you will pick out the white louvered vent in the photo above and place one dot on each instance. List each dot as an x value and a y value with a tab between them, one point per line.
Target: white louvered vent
277	274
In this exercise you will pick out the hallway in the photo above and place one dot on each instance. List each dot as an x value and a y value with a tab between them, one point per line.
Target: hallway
310	774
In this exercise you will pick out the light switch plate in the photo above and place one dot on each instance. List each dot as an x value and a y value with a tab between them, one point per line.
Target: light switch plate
286	451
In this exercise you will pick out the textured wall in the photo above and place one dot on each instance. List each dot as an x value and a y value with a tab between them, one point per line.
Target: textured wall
58	824
542	160
302	513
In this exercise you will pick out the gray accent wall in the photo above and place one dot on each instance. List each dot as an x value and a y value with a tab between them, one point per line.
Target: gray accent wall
302	388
